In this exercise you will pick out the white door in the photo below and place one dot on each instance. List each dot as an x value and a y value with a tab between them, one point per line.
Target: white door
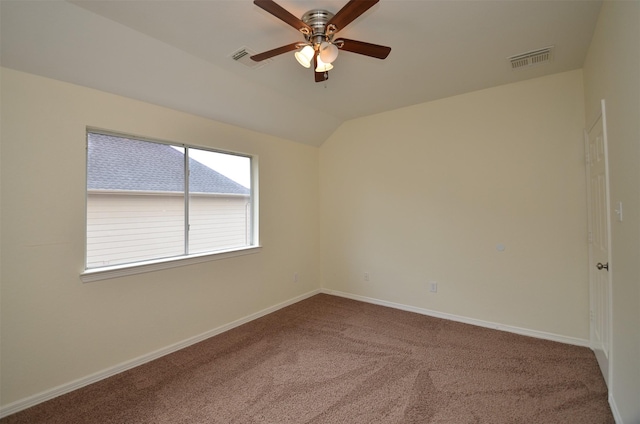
599	242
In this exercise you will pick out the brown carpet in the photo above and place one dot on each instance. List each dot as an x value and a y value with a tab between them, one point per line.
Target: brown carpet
333	360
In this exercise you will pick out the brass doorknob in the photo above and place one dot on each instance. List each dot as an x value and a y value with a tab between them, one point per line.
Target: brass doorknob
603	266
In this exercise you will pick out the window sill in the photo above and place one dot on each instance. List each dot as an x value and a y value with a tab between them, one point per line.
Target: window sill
105	273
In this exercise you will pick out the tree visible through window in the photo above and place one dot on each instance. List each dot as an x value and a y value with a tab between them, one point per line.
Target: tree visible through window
141	206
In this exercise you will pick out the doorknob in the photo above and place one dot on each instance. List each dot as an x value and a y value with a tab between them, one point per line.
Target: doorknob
603	266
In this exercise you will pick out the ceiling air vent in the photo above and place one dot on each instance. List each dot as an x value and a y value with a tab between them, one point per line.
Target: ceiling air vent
243	55
532	58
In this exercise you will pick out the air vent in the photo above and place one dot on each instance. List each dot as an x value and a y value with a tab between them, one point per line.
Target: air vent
243	55
532	58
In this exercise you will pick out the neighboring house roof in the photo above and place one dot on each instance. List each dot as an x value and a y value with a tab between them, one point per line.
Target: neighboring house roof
117	163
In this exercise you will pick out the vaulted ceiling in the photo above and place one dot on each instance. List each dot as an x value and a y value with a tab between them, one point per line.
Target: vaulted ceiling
177	53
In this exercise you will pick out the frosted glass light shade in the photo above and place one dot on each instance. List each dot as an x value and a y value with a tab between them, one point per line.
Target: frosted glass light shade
323	67
305	56
328	52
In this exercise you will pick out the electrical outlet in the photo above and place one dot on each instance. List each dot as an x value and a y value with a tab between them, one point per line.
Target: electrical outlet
433	286
295	277
366	276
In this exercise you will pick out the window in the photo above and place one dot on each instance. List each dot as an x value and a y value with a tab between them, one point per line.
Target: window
149	200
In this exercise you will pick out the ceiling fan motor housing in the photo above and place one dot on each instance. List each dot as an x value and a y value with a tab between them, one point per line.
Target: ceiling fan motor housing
317	19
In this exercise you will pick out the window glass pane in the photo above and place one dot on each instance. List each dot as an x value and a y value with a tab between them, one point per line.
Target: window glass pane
219	201
137	209
135	201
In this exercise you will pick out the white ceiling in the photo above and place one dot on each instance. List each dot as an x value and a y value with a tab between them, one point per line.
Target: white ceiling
176	53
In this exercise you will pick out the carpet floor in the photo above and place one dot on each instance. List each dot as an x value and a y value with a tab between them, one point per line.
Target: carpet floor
333	360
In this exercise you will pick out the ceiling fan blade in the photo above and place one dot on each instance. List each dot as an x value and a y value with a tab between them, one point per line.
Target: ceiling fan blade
349	12
319	76
360	47
275	52
281	13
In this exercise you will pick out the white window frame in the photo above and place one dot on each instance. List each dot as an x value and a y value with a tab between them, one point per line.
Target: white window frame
121	270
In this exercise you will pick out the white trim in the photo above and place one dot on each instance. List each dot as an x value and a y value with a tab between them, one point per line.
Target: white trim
30	401
480	323
614	409
105	273
610	260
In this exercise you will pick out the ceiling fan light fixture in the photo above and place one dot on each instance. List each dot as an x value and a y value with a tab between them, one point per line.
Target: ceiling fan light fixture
305	56
328	52
323	67
319	26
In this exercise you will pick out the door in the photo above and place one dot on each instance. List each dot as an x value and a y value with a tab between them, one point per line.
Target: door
599	242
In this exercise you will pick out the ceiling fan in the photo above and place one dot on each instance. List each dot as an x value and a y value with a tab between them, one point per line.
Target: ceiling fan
319	27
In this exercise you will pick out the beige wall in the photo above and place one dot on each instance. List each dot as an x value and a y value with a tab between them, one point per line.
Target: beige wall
429	192
612	73
56	329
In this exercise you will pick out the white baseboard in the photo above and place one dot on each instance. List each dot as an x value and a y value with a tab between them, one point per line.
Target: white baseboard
30	401
614	409
511	329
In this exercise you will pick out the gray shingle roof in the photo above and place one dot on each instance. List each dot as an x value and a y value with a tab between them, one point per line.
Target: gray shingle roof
117	163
